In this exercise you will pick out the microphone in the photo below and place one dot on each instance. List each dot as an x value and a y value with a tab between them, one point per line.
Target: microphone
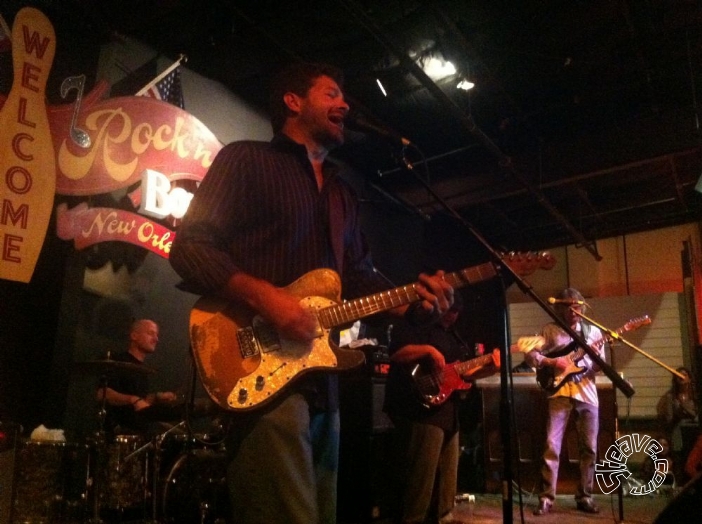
360	123
569	301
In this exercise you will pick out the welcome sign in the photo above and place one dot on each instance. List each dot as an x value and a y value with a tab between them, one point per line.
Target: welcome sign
27	158
89	147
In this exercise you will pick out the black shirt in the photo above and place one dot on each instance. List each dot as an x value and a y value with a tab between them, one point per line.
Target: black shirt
123	419
401	397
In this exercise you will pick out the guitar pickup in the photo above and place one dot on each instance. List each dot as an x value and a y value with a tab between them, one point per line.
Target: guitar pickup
247	342
267	337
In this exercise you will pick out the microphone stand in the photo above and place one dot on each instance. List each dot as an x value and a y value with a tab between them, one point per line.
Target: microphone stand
505	371
613	336
617	337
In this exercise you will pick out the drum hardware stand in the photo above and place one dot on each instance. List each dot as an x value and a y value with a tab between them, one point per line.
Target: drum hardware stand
155	444
99	455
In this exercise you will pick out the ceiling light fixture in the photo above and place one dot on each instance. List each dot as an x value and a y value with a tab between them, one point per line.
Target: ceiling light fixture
380	85
465	84
437	69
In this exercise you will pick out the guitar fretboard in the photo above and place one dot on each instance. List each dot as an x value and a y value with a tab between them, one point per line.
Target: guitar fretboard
629	326
463	367
355	309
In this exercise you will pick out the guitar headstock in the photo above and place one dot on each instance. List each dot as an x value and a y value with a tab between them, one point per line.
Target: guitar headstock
636	323
526	344
526	263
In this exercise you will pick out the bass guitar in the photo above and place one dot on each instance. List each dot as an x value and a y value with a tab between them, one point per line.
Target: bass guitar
550	379
434	386
243	362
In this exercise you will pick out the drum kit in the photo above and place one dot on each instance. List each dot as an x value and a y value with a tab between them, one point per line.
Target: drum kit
172	476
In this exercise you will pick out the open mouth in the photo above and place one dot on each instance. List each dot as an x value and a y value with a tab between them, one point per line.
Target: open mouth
337	120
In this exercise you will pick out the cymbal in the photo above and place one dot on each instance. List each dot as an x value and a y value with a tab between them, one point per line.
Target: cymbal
106	365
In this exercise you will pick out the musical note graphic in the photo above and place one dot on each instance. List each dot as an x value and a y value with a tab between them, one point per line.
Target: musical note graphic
79	137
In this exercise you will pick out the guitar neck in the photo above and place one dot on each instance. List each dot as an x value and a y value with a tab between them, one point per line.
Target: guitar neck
355	309
463	367
595	345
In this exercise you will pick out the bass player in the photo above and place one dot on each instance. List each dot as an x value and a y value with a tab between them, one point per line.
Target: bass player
576	395
426	434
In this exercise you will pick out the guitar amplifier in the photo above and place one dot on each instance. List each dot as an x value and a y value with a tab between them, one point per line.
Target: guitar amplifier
378	361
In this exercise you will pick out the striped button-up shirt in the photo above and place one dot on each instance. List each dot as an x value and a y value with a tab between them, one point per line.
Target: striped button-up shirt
259	210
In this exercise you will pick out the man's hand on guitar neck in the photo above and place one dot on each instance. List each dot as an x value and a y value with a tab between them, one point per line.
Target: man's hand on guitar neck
485	370
436	296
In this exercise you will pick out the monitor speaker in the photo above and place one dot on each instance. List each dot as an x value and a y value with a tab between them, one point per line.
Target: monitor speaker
686	503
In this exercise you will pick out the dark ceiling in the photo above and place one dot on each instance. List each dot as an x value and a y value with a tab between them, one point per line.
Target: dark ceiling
583	123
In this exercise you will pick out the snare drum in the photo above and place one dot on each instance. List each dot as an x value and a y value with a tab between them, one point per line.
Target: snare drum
124	482
50	481
195	489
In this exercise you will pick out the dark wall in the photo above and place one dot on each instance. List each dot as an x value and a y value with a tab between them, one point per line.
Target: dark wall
28	321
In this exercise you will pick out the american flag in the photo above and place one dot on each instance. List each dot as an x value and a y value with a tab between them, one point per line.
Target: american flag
168	89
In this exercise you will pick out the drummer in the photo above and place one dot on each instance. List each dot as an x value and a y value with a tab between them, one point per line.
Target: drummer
131	407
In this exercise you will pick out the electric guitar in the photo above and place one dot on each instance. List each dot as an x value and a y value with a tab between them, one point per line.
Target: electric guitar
243	362
550	379
434	386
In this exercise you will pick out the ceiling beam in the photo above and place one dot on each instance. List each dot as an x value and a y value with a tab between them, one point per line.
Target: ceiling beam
467	121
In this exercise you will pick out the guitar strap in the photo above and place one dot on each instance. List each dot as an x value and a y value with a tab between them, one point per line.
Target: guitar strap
585	329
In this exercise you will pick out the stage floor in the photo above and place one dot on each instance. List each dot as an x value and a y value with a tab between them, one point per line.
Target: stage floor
636	510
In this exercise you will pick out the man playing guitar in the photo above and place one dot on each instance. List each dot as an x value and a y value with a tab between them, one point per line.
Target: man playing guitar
425	359
576	394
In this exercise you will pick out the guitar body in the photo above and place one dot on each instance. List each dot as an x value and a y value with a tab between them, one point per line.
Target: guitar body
243	362
551	379
434	388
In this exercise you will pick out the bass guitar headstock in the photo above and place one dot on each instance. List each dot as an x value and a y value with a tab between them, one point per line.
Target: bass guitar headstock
526	263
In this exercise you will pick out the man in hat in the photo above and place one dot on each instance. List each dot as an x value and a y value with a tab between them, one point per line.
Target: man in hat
577	394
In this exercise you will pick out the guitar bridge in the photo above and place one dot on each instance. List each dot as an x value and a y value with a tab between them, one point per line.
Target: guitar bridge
247	342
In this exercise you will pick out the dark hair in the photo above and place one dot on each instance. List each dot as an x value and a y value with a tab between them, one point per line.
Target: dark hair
572	294
678	386
297	78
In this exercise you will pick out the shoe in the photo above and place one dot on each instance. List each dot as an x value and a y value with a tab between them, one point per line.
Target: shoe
587	506
544	507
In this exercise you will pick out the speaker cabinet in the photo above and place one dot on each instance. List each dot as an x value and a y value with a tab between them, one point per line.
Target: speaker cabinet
365	450
686	504
531	407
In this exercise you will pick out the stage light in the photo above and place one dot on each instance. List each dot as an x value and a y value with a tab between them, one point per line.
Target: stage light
380	85
465	84
436	69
